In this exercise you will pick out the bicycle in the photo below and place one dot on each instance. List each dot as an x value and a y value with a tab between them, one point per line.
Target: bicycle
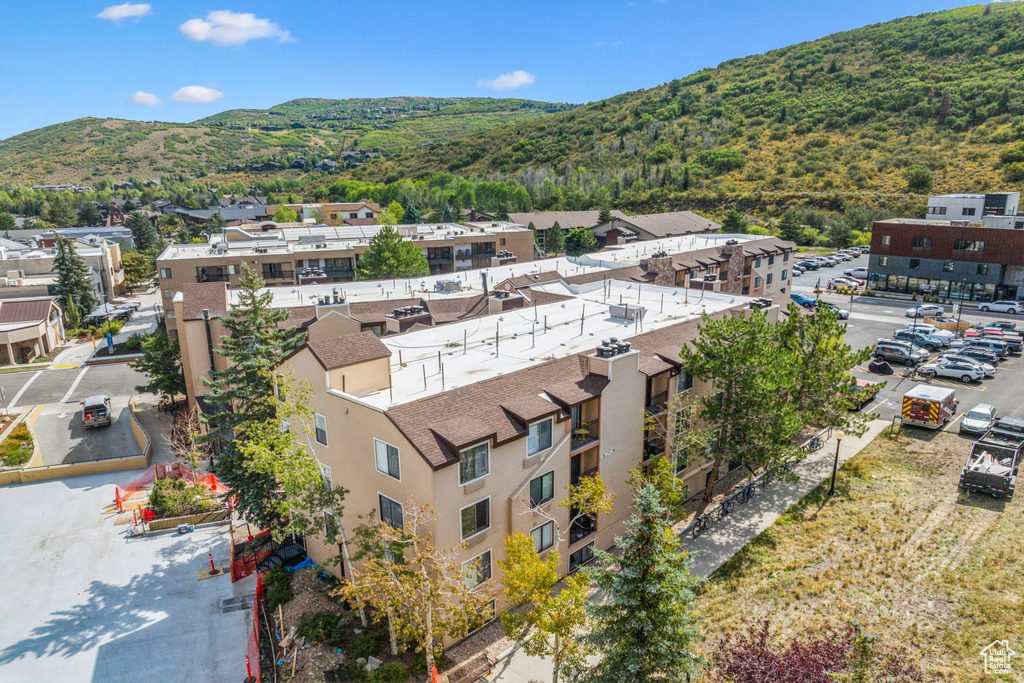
701	524
725	508
815	444
745	493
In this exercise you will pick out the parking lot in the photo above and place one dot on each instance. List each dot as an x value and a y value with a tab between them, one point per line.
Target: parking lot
872	319
63	440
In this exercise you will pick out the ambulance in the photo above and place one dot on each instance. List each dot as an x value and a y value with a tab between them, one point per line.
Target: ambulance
929	407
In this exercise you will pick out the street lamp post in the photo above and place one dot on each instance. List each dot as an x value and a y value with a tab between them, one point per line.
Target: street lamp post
835	464
960	308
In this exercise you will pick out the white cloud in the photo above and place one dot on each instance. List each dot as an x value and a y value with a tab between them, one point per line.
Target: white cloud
510	81
146	99
116	13
604	43
197	93
223	27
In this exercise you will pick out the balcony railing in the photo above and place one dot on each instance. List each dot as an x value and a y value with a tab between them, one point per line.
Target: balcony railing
581	527
653	449
581	475
212	277
278	274
658	403
585	434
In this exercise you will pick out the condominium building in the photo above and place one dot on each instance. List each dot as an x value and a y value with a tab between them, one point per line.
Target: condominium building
290	256
992	209
487	421
30	271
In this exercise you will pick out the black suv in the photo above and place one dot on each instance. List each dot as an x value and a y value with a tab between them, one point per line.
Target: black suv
899	352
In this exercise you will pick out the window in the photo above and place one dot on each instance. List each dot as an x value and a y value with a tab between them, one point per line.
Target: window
542	489
387	459
937	210
488	614
320	427
883	260
325	472
502	241
982	269
922	242
476	518
771	259
581	557
785	274
540	437
543	537
914	263
168	293
757	281
477	570
886	239
165	273
684	381
968	211
947	266
768	278
473	463
785	257
232	270
390	512
1019	225
968	245
757	262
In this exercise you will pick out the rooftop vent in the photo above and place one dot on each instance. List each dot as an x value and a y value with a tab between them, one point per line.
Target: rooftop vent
731	243
610	348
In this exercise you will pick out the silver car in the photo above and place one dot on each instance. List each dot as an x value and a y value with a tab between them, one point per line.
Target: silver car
961	371
987	368
978	419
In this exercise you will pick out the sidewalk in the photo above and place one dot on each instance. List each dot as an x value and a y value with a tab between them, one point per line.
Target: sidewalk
725	538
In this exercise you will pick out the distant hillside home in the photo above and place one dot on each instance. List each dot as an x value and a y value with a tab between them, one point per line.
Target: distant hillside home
123	185
29	328
339	213
326	165
267	166
232	214
300	162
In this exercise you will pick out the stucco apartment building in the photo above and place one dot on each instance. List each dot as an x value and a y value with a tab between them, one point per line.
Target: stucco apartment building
488	421
33	268
290	256
337	213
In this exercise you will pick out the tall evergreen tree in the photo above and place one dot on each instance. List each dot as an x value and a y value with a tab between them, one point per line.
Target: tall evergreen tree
59	213
390	256
7	223
555	239
73	284
646	629
604	215
411	215
161	363
89	214
142	230
245	392
580	241
789	226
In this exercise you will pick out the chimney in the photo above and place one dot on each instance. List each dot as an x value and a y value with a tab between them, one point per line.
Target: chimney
483	276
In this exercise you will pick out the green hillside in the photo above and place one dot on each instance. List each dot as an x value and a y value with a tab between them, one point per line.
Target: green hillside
89	149
850	115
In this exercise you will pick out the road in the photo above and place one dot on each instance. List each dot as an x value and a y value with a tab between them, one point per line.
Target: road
872	319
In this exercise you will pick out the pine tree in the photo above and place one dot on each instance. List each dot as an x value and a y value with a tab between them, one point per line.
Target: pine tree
580	241
789	226
411	215
246	393
161	363
390	256
74	286
646	629
142	230
555	239
604	215
89	214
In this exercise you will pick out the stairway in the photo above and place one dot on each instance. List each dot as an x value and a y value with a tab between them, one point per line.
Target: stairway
288	552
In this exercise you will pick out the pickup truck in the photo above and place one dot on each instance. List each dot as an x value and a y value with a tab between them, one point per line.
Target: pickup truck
994	459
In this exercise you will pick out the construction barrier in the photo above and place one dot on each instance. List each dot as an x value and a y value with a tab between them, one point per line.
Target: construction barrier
252	650
244	562
194	520
174	471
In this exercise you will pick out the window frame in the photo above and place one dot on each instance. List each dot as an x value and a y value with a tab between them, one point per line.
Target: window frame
490	569
886	240
757	281
549	524
380	510
768	279
487	450
883	261
581	549
540	478
398	459
317	429
167	276
785	274
478	529
551	437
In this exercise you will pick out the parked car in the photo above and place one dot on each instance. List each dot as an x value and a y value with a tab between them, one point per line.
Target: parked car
997	347
921	339
988	368
961	371
846	281
899	352
978	419
861	272
840	256
803	300
860	392
979	355
825	261
1005	325
1011	307
925	310
809	265
797	270
841	313
96	412
933	330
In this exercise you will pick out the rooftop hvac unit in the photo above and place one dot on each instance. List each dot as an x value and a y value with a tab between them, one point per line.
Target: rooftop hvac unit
627	311
731	243
15	274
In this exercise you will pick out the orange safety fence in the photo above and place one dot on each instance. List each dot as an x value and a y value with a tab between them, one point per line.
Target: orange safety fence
252	650
245	561
174	471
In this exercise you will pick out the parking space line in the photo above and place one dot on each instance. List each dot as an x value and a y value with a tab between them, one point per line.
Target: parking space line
74	385
21	391
953	422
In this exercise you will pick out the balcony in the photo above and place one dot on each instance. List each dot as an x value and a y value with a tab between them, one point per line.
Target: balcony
584	434
118	276
653	449
212	277
581	527
278	274
657	403
582	475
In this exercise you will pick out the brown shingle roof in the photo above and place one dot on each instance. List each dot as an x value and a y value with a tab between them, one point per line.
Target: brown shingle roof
196	296
25	310
543	220
348	349
299	316
450	310
672	223
374	312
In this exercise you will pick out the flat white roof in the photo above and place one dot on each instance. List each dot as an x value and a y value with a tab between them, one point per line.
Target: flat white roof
517	339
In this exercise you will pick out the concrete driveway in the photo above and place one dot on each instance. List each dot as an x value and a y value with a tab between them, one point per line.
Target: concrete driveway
63	440
84	603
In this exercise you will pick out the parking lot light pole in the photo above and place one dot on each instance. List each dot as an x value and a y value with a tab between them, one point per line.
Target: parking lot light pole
835	463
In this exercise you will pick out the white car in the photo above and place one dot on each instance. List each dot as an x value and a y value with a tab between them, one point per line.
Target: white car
945	368
861	272
978	419
989	370
848	281
1011	307
925	310
933	331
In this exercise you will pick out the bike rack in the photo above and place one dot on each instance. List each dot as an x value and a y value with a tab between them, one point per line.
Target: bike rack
894	429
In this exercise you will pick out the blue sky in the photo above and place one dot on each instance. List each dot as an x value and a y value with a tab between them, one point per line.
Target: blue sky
181	60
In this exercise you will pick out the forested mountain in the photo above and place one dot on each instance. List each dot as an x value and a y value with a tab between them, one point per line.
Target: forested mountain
930	102
89	149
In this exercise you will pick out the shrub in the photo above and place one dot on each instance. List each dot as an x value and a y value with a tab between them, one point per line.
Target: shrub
357	672
369	643
174	497
16	449
134	342
324	628
392	672
111	326
279	587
